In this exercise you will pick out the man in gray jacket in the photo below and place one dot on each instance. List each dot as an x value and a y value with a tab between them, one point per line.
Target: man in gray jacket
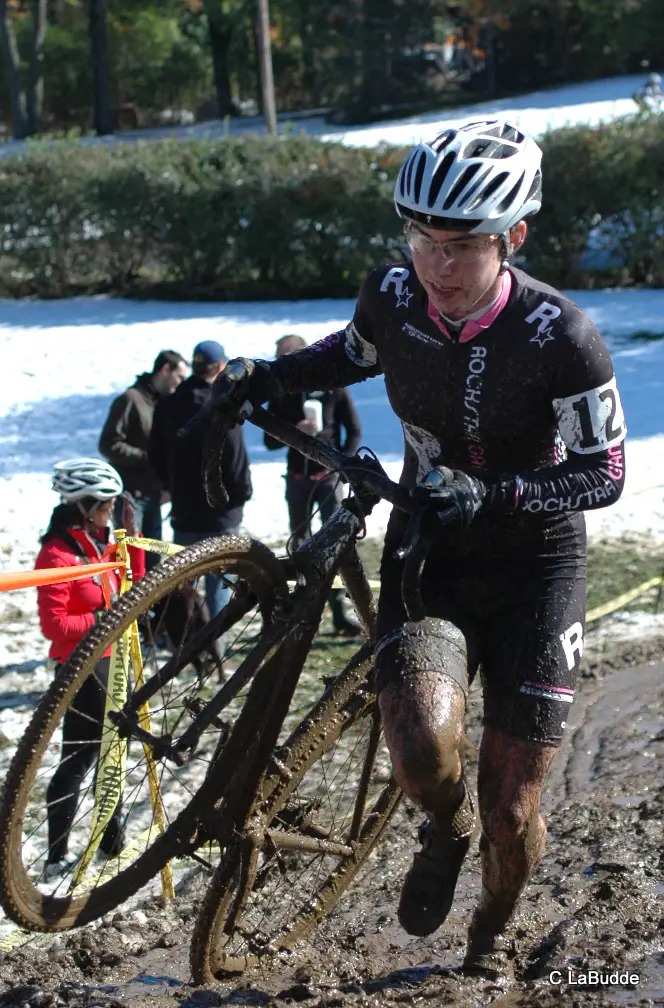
125	435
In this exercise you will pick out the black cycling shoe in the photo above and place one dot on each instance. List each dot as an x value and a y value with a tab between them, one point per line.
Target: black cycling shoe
343	618
428	889
113	839
489	957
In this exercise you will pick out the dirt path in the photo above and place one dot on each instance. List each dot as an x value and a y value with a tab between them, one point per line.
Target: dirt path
595	903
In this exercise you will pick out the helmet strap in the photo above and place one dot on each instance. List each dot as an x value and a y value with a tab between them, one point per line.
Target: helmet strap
506	253
87	514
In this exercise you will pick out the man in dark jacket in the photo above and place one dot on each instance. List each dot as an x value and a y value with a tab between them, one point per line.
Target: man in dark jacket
332	417
177	463
124	440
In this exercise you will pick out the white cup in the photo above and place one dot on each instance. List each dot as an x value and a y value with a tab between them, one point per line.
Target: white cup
313	410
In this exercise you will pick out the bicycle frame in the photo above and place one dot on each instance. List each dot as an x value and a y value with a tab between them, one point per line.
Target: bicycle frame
331	548
314	564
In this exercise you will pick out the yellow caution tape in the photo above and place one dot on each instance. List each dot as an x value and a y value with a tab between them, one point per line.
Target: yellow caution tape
153	545
623	600
170	549
17	937
112	765
153	778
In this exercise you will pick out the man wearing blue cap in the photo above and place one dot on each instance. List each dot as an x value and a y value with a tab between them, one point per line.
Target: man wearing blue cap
177	463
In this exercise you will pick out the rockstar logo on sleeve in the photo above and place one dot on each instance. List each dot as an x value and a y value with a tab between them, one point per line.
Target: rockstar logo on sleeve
403	297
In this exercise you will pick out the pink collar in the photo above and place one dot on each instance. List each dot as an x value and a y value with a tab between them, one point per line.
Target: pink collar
474	326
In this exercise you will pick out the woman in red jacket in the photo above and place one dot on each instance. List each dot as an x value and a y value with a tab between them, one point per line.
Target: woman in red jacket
78	533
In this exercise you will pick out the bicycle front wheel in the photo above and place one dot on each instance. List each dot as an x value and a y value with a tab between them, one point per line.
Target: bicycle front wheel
314	823
159	781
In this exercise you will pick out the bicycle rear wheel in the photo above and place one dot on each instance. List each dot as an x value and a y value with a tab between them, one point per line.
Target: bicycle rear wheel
314	822
180	681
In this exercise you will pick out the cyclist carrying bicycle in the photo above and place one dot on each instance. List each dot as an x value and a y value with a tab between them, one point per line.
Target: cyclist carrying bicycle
512	420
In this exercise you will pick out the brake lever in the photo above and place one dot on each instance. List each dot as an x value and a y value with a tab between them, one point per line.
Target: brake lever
424	526
412	534
213	443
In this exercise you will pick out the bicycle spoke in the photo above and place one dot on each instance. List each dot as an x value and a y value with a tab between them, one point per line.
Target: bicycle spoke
172	708
306	842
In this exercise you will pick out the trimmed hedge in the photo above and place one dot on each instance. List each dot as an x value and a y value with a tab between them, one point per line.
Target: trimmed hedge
250	217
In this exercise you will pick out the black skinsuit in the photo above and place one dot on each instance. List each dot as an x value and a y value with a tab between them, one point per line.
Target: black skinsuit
529	403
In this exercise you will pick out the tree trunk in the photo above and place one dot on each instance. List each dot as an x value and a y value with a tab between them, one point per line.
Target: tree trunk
265	66
101	69
490	57
307	36
220	40
12	61
35	93
373	56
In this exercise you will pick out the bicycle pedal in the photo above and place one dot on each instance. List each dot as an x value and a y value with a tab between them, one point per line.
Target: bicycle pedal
295	814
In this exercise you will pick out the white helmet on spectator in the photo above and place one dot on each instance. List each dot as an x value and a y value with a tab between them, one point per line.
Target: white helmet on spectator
77	478
482	177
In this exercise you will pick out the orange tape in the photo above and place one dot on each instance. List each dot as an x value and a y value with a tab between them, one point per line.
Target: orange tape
53	575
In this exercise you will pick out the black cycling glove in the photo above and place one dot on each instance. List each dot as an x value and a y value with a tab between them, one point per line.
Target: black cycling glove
242	379
445	489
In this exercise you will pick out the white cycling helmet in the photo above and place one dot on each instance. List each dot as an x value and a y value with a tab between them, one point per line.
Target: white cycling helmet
654	78
76	478
482	177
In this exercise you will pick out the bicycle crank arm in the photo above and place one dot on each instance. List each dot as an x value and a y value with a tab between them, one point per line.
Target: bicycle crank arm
309	845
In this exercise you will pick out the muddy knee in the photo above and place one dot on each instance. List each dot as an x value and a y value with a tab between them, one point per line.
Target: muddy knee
421	676
426	761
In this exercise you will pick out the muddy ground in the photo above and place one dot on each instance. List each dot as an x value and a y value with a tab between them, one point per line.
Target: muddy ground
595	903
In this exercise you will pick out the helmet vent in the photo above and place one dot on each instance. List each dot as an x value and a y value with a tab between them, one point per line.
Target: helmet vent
465	179
443	140
404	181
419	175
439	176
485	148
465	202
511	196
489	191
504	131
536	187
512	134
411	169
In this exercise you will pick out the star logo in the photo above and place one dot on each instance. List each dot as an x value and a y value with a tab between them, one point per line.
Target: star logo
403	297
542	336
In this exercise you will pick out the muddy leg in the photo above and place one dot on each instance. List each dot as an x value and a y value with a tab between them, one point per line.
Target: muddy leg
511	777
423	719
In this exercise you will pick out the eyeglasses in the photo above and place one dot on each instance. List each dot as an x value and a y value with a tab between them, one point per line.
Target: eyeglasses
461	250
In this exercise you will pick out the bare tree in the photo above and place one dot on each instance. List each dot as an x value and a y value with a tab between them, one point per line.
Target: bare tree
35	93
101	68
265	65
12	61
220	28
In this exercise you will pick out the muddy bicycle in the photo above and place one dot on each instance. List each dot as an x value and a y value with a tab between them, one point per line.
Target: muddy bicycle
294	804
